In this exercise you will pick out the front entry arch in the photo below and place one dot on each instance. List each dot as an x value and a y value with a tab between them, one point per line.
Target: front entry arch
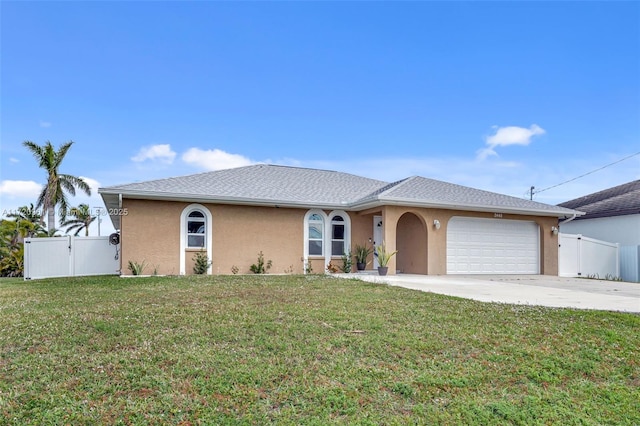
411	243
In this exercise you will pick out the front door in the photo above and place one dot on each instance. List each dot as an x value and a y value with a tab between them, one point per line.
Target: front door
378	235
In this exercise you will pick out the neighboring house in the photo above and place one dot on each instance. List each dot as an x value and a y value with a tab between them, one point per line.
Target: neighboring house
302	219
612	215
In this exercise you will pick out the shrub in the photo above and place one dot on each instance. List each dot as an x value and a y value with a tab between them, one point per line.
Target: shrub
12	261
137	268
347	263
202	263
261	267
308	269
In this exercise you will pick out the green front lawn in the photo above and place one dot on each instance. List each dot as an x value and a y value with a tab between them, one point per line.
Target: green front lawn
304	350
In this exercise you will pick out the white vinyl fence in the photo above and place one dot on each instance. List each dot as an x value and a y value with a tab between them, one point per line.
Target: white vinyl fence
580	256
70	256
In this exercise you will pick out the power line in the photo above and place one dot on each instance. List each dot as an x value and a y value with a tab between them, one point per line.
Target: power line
586	174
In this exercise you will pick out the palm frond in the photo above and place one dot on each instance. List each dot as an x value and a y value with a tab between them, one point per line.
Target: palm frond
62	151
76	182
36	150
67	185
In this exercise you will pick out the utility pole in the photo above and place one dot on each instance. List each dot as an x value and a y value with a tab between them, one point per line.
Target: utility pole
531	192
99	210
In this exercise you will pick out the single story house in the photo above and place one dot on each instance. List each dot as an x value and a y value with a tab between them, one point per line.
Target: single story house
612	215
302	219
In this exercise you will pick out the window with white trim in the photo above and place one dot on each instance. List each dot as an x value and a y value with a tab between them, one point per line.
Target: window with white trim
196	230
316	235
337	236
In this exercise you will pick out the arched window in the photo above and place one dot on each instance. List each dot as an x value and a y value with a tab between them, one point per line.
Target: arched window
196	230
195	233
337	236
315	227
339	232
326	236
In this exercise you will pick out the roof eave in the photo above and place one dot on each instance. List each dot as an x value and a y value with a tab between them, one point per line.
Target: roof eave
151	195
112	204
476	208
610	214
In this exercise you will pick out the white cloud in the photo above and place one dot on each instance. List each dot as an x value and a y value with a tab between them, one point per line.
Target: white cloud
31	189
45	124
13	160
214	159
510	135
20	188
161	152
93	184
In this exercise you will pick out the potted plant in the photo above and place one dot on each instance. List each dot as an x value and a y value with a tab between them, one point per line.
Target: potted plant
362	253
383	258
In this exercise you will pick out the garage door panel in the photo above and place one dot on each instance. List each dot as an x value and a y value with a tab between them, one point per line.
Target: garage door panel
492	246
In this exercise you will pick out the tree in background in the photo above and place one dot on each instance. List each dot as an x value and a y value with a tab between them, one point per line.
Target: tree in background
54	192
81	218
12	234
29	219
12	260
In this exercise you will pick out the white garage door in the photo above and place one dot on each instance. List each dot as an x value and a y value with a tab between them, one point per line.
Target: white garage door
492	246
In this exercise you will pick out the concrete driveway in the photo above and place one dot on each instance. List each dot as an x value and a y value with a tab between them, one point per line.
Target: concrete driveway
580	293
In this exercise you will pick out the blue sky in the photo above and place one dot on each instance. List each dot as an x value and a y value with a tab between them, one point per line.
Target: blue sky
494	95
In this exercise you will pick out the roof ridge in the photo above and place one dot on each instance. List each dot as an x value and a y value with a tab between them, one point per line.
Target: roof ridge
381	190
447	193
396	184
298	167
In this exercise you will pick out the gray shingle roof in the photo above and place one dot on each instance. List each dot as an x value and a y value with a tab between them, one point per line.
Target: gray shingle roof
617	201
435	192
265	184
262	183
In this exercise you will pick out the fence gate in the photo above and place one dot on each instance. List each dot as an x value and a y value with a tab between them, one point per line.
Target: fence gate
70	256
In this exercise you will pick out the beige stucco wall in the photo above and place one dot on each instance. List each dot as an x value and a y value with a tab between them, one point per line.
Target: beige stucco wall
412	250
437	238
241	232
151	232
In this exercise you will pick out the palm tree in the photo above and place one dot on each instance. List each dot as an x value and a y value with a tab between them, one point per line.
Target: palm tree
25	223
29	218
82	218
50	233
53	194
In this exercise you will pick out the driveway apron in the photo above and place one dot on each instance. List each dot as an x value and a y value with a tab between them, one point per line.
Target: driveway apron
539	290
